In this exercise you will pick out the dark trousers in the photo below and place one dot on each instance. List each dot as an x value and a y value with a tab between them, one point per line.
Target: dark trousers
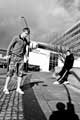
26	67
61	73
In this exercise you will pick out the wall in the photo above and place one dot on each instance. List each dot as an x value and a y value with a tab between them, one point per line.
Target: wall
40	57
77	63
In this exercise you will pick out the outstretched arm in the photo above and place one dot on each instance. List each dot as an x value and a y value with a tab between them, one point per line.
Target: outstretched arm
33	46
62	57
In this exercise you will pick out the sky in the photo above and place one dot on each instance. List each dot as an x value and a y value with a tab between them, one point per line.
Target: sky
46	18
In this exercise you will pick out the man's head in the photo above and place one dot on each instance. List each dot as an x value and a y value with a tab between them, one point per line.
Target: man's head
68	52
25	33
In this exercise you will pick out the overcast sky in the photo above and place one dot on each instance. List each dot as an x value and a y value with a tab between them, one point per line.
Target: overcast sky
44	17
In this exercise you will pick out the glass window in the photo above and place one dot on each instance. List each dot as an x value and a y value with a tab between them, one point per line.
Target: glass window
53	61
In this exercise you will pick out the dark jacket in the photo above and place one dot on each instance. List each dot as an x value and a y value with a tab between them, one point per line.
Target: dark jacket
68	64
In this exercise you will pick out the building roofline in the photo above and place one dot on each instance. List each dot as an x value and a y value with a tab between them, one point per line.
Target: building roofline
67	31
3	50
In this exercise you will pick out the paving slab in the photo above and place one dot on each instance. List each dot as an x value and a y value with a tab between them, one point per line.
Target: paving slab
40	97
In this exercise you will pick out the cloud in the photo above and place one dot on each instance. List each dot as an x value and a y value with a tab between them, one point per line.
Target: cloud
44	16
72	7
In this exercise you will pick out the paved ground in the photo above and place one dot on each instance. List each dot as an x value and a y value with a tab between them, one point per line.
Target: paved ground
40	98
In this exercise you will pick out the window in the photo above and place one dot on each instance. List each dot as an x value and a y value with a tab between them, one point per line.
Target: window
53	61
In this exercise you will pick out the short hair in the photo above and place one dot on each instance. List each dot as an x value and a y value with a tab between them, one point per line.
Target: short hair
68	51
26	29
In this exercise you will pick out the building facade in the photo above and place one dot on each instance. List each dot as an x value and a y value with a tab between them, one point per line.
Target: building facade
71	40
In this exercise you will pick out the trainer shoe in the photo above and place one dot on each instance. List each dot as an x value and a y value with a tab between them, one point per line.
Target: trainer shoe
66	82
56	83
20	91
6	91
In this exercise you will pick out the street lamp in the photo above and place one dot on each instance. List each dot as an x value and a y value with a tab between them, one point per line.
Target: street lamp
25	21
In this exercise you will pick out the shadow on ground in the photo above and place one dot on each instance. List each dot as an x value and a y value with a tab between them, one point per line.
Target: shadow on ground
63	113
27	86
30	85
31	107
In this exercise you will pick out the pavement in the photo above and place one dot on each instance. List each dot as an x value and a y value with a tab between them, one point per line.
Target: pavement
41	99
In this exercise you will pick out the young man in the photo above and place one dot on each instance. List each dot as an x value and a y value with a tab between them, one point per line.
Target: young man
18	51
68	64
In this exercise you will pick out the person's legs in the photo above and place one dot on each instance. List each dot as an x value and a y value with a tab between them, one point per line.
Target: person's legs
62	71
6	85
18	86
64	78
19	74
9	76
60	74
65	81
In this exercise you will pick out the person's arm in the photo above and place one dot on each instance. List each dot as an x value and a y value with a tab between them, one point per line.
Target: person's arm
11	46
26	55
33	46
62	57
